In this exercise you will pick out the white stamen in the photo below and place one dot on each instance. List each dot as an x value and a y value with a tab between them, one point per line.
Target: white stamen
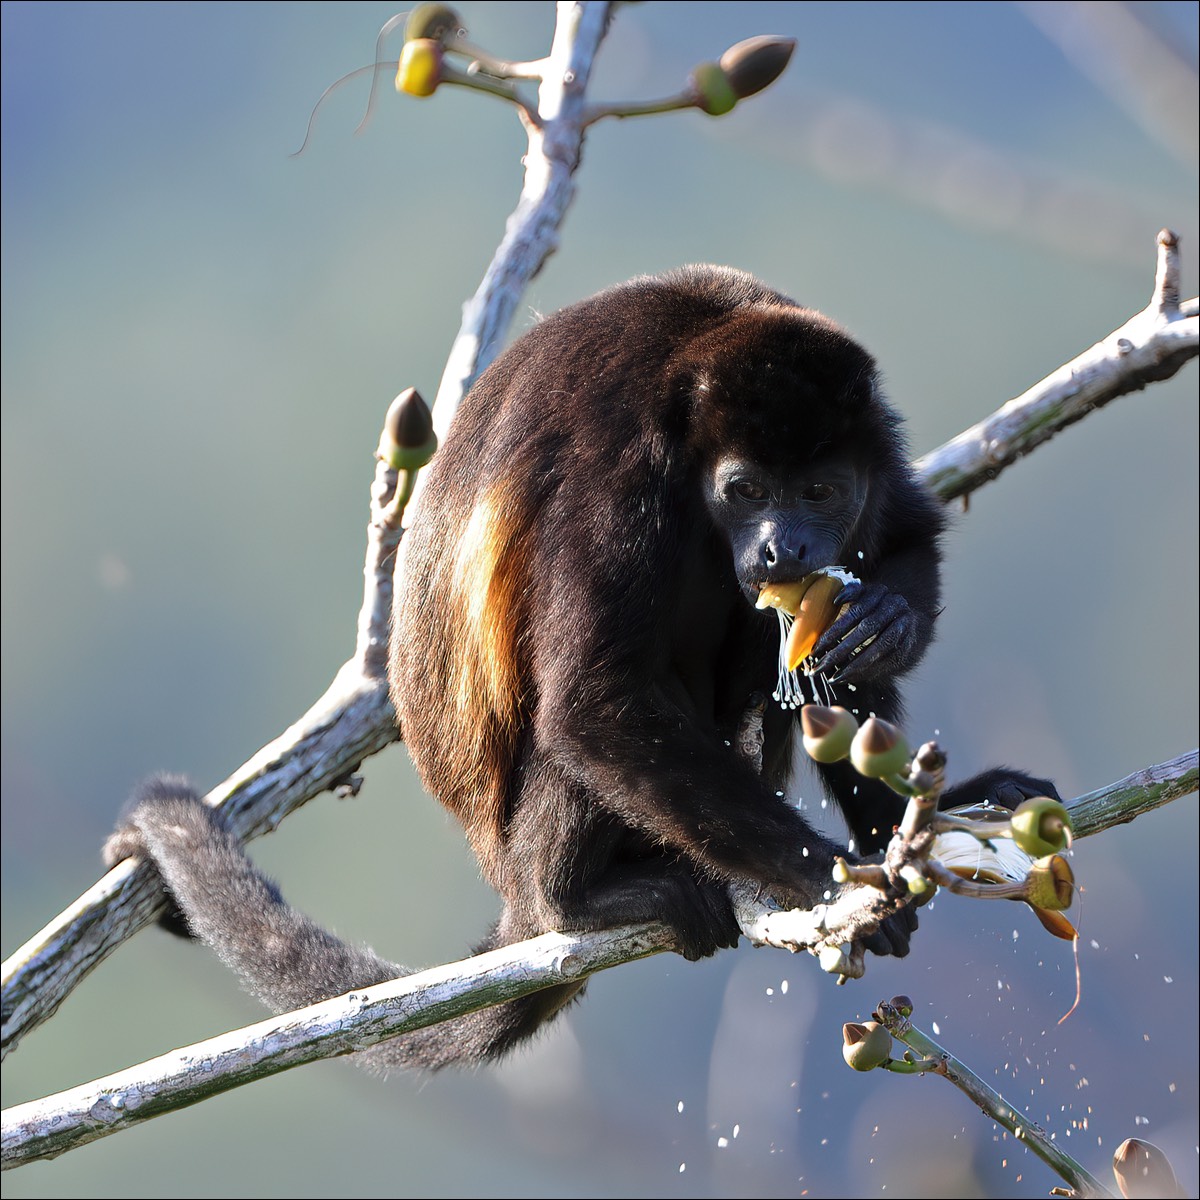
789	688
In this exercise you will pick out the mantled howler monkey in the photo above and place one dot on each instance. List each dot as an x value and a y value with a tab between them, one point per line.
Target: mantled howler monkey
575	639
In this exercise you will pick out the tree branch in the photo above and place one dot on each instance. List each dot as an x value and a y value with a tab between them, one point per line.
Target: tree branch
50	1126
531	234
1150	346
354	718
1120	802
54	1124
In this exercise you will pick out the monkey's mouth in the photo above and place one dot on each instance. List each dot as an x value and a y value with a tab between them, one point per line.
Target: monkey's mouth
805	610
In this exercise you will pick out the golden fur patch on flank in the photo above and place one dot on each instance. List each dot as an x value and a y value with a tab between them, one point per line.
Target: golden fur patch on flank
487	581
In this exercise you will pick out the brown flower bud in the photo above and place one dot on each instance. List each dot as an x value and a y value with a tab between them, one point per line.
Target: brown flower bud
879	749
1142	1171
828	732
407	441
756	63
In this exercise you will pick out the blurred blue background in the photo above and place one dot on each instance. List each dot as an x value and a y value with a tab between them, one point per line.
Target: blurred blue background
200	338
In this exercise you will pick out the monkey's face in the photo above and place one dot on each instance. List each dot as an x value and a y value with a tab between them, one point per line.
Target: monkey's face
782	524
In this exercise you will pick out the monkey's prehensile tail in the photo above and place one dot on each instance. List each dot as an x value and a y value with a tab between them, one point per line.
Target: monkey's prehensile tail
283	957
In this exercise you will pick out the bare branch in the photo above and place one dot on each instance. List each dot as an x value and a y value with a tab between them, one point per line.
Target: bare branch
1149	788
531	235
1149	347
50	1126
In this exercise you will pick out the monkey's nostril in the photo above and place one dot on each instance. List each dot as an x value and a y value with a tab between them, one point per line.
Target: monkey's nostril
769	554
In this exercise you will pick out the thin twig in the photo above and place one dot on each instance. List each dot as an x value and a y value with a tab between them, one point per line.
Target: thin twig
1152	345
993	1104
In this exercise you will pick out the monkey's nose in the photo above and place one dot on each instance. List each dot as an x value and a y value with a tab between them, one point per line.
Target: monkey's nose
783	560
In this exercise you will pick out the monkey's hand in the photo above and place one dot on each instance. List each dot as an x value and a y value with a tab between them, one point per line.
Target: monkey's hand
1003	787
877	633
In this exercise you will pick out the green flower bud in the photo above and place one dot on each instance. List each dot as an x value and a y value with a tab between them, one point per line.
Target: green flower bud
879	749
435	21
1050	883
407	441
712	90
756	63
865	1046
1041	826
1142	1170
419	70
828	732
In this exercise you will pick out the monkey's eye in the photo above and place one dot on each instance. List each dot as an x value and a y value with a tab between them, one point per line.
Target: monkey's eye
750	491
819	493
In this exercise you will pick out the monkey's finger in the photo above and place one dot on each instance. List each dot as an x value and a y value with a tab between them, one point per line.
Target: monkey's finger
875	605
848	651
891	644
